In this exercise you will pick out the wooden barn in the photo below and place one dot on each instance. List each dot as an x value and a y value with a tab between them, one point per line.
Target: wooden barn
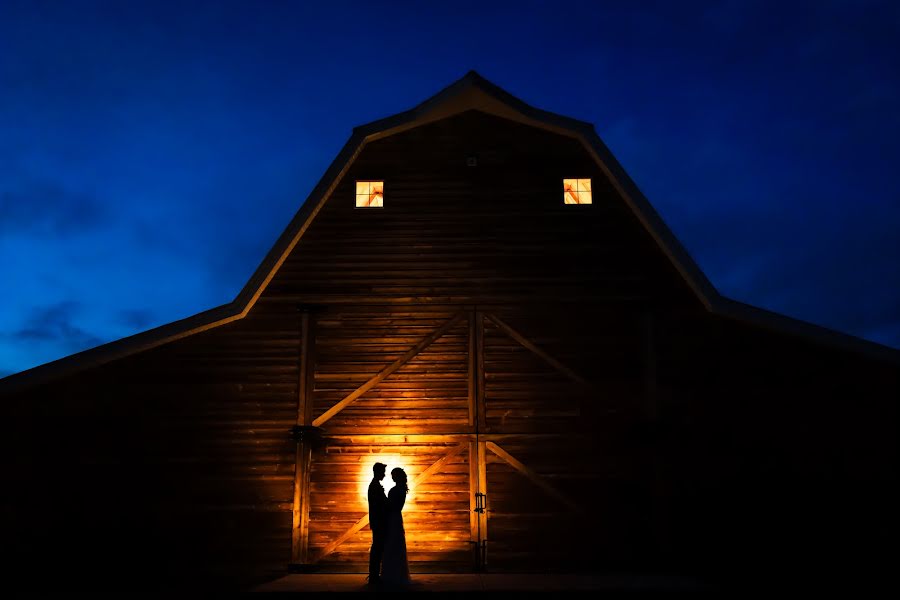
475	291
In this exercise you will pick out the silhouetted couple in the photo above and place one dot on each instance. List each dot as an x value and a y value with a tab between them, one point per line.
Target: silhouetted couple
387	557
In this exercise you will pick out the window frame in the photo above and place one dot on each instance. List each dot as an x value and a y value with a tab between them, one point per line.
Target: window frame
357	195
577	181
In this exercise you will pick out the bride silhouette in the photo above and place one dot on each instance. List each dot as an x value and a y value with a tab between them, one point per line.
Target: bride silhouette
394	566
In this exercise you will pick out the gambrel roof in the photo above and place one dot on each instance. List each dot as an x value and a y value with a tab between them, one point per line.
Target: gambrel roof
471	92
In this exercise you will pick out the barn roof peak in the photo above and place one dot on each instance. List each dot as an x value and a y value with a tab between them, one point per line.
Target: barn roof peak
470	92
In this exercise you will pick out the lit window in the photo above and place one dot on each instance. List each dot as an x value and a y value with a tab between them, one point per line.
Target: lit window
370	194
577	191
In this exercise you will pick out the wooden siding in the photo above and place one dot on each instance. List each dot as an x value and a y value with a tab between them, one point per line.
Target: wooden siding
596	373
427	393
626	397
772	446
560	512
495	233
436	515
175	461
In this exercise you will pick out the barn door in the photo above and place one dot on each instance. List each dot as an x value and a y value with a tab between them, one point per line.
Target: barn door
389	385
530	467
478	414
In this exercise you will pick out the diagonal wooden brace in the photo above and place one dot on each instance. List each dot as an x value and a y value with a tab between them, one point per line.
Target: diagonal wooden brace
415	350
420	478
528	344
533	476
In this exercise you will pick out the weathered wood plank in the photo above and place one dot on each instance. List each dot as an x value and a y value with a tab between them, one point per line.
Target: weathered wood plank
424	343
423	476
533	476
528	344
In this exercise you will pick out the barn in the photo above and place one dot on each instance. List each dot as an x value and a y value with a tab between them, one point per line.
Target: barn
477	292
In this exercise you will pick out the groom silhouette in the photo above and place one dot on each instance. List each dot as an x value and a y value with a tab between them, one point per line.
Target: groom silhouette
378	509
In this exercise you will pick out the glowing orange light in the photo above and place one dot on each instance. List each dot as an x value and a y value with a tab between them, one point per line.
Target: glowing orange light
392	461
370	194
577	191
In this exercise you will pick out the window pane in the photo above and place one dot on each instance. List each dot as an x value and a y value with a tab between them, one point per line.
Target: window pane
577	191
376	194
370	194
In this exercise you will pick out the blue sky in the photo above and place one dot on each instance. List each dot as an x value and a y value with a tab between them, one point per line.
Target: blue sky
152	152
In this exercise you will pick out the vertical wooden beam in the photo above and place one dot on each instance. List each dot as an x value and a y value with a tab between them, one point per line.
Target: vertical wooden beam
300	538
479	372
305	404
474	533
651	398
480	457
657	472
303	457
483	517
473	372
477	478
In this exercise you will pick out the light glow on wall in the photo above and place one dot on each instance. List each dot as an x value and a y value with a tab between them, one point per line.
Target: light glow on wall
392	461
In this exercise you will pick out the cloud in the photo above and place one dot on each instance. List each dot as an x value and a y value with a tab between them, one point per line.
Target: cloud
44	207
138	319
830	266
54	324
